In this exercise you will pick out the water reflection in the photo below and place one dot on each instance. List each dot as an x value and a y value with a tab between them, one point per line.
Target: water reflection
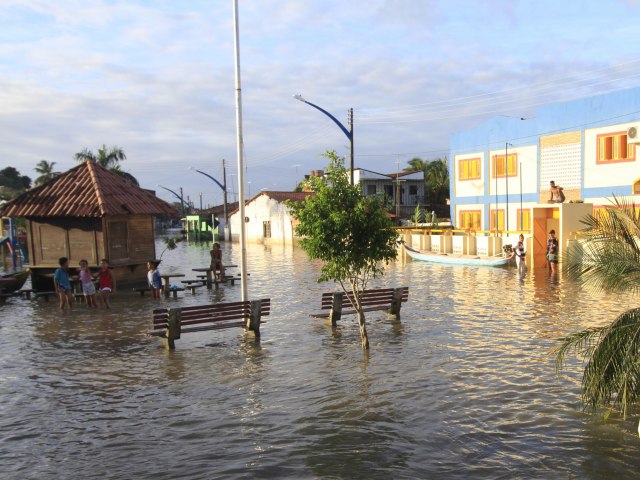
462	386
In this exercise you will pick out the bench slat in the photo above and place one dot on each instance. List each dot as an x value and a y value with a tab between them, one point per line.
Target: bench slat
209	313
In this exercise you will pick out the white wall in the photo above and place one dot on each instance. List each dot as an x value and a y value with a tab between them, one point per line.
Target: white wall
261	209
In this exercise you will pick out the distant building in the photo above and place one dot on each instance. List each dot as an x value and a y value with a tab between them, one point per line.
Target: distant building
89	213
502	169
404	189
267	218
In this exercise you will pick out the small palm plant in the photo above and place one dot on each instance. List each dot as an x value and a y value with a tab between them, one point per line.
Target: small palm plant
170	244
608	260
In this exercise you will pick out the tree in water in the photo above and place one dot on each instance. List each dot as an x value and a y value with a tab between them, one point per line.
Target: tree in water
351	234
109	158
607	259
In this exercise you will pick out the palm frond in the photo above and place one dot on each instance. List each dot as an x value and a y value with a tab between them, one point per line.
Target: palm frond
609	252
612	373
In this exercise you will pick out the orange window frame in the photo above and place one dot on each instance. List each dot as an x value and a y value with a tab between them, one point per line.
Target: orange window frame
473	215
498	165
526	219
492	219
469	169
609	147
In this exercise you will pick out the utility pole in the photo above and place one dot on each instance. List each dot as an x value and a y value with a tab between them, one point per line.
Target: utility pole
227	226
182	201
351	142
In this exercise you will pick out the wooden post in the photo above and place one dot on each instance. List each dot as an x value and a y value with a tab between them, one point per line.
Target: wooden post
173	328
253	322
396	302
336	308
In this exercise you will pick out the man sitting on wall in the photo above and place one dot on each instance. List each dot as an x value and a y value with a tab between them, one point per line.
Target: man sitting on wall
557	195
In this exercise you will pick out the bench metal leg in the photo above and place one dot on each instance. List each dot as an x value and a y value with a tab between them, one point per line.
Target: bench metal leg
336	308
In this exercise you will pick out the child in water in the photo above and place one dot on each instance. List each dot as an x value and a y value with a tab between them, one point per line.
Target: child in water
154	279
89	290
107	284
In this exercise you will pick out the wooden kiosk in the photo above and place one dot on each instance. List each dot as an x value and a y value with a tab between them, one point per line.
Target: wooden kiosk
89	213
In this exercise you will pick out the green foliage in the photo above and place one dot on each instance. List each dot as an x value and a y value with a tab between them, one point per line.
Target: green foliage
108	157
608	259
418	215
309	184
45	169
351	234
12	183
171	243
436	178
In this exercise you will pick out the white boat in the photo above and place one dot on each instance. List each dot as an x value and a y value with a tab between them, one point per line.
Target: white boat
456	259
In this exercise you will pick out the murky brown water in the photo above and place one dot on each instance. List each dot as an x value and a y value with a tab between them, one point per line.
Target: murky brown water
462	387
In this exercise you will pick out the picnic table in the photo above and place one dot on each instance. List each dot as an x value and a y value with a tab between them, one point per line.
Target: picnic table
209	276
166	282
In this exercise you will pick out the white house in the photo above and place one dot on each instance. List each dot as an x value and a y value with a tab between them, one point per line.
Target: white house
267	218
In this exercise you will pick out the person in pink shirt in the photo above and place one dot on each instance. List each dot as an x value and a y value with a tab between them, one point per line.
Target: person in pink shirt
88	288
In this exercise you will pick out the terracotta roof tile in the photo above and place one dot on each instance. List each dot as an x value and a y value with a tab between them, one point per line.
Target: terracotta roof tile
88	190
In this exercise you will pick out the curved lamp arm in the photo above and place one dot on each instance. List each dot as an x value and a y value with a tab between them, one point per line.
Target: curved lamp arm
207	175
169	190
337	122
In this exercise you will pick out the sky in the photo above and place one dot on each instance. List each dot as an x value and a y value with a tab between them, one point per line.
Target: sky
156	78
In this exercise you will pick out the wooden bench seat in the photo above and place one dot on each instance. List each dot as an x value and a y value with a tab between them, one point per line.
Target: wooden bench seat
192	287
170	323
387	299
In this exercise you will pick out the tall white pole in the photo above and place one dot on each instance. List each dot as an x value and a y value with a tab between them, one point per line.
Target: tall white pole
243	248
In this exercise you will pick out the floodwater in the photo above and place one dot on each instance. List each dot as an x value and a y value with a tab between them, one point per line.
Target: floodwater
463	386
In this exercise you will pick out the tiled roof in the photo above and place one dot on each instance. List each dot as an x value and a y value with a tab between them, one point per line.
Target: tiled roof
282	196
88	190
278	197
219	209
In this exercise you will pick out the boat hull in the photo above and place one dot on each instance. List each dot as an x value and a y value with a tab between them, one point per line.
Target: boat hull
12	282
452	259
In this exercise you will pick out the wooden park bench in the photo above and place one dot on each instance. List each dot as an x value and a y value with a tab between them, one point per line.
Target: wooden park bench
339	303
170	323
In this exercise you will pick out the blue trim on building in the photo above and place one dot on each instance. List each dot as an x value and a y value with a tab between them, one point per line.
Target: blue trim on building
576	115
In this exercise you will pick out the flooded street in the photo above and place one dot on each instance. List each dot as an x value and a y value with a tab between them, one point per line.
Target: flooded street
463	386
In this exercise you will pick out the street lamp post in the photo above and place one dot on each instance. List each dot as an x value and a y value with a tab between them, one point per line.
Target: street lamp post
227	226
348	133
520	175
506	180
179	197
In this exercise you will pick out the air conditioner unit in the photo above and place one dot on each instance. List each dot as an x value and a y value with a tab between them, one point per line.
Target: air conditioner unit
633	134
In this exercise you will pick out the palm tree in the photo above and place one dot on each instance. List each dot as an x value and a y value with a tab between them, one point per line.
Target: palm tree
106	157
109	158
45	169
437	179
608	260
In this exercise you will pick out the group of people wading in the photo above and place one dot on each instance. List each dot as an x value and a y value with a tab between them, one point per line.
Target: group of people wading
520	251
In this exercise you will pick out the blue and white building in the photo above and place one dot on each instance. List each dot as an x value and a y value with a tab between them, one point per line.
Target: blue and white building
500	171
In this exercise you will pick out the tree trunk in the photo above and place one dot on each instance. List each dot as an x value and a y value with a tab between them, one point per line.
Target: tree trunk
363	331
